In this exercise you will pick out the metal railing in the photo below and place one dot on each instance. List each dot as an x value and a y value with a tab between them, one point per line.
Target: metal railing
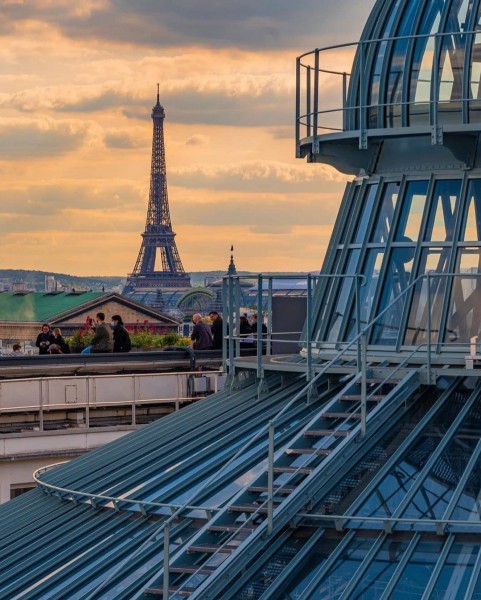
90	392
314	117
309	345
232	300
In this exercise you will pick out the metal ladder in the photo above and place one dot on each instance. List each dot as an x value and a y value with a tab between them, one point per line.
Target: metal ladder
262	506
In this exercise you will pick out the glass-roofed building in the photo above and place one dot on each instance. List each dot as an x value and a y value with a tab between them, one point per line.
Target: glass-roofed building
351	468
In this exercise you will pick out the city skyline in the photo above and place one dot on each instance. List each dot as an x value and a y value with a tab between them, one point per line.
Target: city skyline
78	86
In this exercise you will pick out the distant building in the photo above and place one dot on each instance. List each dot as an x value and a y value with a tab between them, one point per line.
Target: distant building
20	286
22	314
50	283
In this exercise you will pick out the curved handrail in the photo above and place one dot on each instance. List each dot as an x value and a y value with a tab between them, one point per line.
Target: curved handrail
309	118
116	500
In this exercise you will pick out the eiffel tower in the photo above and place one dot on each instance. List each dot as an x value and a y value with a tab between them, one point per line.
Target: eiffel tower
158	237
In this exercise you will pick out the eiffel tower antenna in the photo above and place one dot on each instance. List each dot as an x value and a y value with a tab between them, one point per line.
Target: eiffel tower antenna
158	237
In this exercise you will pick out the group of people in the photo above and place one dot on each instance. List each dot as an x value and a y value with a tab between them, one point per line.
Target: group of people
205	336
107	338
50	342
209	337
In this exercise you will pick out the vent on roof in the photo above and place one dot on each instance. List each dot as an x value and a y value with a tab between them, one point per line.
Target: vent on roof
22	293
52	293
75	293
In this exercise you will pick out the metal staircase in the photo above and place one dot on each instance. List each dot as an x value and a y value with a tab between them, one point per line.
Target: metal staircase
288	484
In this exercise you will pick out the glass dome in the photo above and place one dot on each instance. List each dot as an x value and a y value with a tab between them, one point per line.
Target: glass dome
417	58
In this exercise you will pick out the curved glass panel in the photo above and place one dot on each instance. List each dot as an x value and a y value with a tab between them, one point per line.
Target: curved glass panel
443	210
429	73
465	310
412	212
475	77
385	217
428	298
471	231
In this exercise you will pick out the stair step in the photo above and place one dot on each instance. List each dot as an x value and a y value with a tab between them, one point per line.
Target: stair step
232	528
197	569
358	398
341	415
318	451
382	380
303	470
211	549
172	590
326	432
283	489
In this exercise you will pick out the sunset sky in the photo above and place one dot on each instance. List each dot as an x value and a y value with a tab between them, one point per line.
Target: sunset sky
77	84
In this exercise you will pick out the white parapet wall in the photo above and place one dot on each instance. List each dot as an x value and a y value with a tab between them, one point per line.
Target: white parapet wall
49	420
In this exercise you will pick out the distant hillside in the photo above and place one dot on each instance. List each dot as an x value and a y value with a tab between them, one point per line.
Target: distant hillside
35	280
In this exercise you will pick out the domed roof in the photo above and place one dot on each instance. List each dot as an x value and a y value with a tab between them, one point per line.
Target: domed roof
418	63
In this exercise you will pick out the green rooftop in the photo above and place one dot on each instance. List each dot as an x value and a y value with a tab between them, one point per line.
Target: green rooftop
39	306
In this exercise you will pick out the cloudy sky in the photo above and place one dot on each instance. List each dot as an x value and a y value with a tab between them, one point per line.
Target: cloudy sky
77	84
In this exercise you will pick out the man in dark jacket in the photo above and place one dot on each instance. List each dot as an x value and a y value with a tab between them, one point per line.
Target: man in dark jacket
201	337
216	329
103	340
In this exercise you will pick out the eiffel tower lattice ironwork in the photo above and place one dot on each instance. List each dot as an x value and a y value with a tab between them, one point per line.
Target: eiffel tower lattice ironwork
158	237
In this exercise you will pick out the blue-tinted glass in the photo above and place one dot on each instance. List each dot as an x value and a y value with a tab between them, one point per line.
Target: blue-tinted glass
346	290
419	568
373	99
456	572
465	309
412	211
325	294
421	71
366	213
432	261
436	491
451	72
385	216
397	67
333	584
475	78
380	571
313	562
396	484
443	210
472	225
396	280
367	291
349	215
467	507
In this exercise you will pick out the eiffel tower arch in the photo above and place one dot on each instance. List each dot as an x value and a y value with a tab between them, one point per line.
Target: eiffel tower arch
158	265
